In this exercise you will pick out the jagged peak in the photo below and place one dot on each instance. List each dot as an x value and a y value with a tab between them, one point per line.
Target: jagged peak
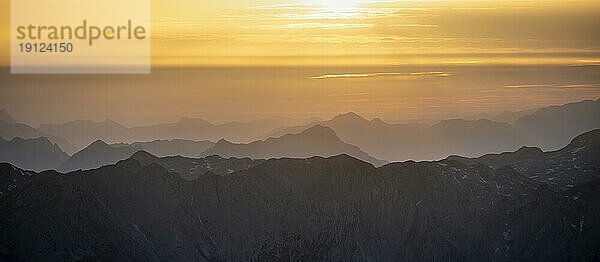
318	130
529	150
142	154
143	157
98	144
378	121
349	117
223	141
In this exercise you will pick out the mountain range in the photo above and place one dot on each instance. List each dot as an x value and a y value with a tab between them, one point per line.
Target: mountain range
95	155
548	128
572	166
100	153
36	154
374	141
315	141
83	132
11	128
336	208
174	147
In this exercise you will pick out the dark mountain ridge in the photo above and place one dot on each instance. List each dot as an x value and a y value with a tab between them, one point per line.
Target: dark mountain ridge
576	164
336	208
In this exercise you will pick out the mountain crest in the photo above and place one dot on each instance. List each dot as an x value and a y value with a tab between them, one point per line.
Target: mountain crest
590	138
144	157
98	144
319	131
527	150
194	121
349	118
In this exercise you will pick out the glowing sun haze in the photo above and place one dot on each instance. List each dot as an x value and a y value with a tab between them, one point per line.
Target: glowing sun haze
368	32
239	60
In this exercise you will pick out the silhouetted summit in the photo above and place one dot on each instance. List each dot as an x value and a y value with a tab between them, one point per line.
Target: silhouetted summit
315	141
350	118
97	154
174	147
144	157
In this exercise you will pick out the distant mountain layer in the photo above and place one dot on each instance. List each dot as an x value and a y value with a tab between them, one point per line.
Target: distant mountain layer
314	209
506	116
83	132
175	147
315	141
11	128
36	154
552	127
96	155
549	128
101	153
572	166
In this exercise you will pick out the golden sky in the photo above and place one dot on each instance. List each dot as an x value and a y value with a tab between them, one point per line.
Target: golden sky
397	60
368	32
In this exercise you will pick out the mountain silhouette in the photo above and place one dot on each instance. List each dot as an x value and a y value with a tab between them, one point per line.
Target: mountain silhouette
315	141
34	154
506	116
11	128
574	165
336	208
503	159
192	169
548	128
100	153
552	127
83	132
174	147
95	155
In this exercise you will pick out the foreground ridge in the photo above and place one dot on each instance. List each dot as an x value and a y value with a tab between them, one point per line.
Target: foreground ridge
336	208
